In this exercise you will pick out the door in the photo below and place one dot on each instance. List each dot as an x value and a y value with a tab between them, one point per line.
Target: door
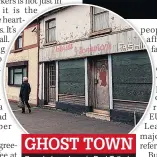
51	83
101	84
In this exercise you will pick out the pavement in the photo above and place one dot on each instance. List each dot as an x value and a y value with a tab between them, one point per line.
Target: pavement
61	122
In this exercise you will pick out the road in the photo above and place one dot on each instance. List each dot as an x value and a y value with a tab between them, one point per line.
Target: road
53	121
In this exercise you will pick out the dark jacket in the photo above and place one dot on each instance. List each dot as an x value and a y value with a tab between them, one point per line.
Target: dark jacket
25	91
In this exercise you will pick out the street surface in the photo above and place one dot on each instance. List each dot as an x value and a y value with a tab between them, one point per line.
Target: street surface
53	121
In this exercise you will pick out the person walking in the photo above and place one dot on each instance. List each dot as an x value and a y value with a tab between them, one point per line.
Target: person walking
24	94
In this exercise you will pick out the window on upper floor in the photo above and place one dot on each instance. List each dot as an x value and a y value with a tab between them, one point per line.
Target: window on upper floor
19	42
100	19
16	74
51	31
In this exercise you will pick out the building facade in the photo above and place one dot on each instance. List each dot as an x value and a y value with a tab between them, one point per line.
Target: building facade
23	61
91	61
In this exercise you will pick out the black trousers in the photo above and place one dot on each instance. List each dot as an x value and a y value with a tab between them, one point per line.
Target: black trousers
25	103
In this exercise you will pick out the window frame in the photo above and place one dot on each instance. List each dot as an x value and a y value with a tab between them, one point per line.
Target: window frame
17	42
14	73
47	29
98	32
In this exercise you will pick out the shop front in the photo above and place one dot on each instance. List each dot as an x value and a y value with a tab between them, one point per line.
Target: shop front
100	75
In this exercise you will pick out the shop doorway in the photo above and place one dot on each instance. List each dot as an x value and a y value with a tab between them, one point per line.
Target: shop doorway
99	83
51	83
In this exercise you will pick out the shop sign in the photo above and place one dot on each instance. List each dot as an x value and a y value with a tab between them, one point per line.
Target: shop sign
97	46
130	47
106	47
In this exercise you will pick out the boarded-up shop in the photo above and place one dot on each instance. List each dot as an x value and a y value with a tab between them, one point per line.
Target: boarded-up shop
110	76
132	84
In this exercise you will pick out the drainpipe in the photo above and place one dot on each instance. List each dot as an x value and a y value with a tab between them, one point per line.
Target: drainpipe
38	42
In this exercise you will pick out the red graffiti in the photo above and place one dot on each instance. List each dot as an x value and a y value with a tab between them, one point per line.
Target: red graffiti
81	50
102	76
62	48
96	48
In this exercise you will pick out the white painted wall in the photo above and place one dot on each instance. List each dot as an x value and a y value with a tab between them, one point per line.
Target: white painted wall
75	23
117	23
71	24
119	42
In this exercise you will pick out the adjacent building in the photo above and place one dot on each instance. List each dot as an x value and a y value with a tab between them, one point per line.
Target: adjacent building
23	61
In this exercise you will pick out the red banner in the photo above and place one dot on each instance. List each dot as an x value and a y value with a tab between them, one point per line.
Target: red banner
78	144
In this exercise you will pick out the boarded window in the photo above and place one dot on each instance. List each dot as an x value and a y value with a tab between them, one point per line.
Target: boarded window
51	31
132	76
72	77
100	19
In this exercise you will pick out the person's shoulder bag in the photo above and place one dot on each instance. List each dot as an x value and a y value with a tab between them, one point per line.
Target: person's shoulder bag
20	104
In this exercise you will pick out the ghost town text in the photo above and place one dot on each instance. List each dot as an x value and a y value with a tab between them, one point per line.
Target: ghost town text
71	143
